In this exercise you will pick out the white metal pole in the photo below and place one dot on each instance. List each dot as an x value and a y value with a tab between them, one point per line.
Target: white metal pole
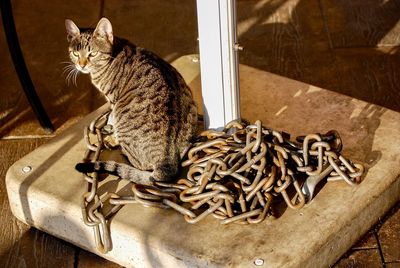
218	61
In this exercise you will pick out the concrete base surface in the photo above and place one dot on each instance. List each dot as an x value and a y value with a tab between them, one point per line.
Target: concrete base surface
48	196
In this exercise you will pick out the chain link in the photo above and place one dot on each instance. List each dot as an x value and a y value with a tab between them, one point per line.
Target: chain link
237	175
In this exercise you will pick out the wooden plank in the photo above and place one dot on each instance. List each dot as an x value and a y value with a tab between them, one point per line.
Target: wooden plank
363	22
360	258
270	37
21	246
392	265
368	241
89	260
389	236
168	28
63	103
371	75
287	38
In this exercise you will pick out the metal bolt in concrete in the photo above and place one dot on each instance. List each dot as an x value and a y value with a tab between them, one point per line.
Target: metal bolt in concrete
259	262
26	169
195	59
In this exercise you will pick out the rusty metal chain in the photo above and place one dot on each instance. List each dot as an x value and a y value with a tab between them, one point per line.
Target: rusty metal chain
236	175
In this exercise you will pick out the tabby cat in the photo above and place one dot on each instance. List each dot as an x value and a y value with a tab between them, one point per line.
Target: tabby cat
153	109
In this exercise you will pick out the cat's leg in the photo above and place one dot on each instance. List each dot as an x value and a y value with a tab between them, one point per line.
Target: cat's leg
111	118
184	148
111	140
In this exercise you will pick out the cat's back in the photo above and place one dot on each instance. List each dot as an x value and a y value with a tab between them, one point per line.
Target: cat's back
152	90
141	72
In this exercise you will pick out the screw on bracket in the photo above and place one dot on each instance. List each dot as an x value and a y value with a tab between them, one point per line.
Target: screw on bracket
238	47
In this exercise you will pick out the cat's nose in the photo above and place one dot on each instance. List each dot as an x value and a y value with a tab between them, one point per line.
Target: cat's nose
82	63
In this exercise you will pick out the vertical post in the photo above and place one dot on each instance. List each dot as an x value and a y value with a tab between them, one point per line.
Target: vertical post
218	61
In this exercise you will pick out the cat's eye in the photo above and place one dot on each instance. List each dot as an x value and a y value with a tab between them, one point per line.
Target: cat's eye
93	54
75	53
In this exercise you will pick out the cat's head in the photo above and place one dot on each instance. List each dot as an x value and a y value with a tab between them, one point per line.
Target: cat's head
89	49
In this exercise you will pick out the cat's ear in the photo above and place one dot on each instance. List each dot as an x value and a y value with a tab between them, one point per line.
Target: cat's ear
72	29
104	29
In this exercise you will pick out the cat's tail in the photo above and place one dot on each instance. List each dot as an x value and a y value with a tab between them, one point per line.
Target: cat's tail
122	170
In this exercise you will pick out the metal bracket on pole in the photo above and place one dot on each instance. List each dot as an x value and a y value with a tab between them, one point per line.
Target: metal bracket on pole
218	61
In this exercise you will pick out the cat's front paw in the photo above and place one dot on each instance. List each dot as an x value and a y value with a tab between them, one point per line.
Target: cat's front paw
110	142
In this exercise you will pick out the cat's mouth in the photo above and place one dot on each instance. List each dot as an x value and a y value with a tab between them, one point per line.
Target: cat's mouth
84	70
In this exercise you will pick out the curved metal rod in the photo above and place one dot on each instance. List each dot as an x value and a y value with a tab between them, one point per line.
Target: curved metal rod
20	66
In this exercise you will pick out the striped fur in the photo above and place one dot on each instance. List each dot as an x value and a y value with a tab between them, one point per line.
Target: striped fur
155	115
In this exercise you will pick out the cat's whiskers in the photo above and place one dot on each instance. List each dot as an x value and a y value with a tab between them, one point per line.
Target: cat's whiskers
68	77
68	68
75	77
72	76
71	65
73	73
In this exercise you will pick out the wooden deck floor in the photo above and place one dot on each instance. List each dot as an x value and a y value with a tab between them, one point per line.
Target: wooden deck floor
351	47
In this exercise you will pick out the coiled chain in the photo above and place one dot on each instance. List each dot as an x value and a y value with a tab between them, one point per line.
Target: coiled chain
236	175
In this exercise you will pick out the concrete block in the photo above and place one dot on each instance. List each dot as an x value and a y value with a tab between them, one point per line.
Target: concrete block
48	195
